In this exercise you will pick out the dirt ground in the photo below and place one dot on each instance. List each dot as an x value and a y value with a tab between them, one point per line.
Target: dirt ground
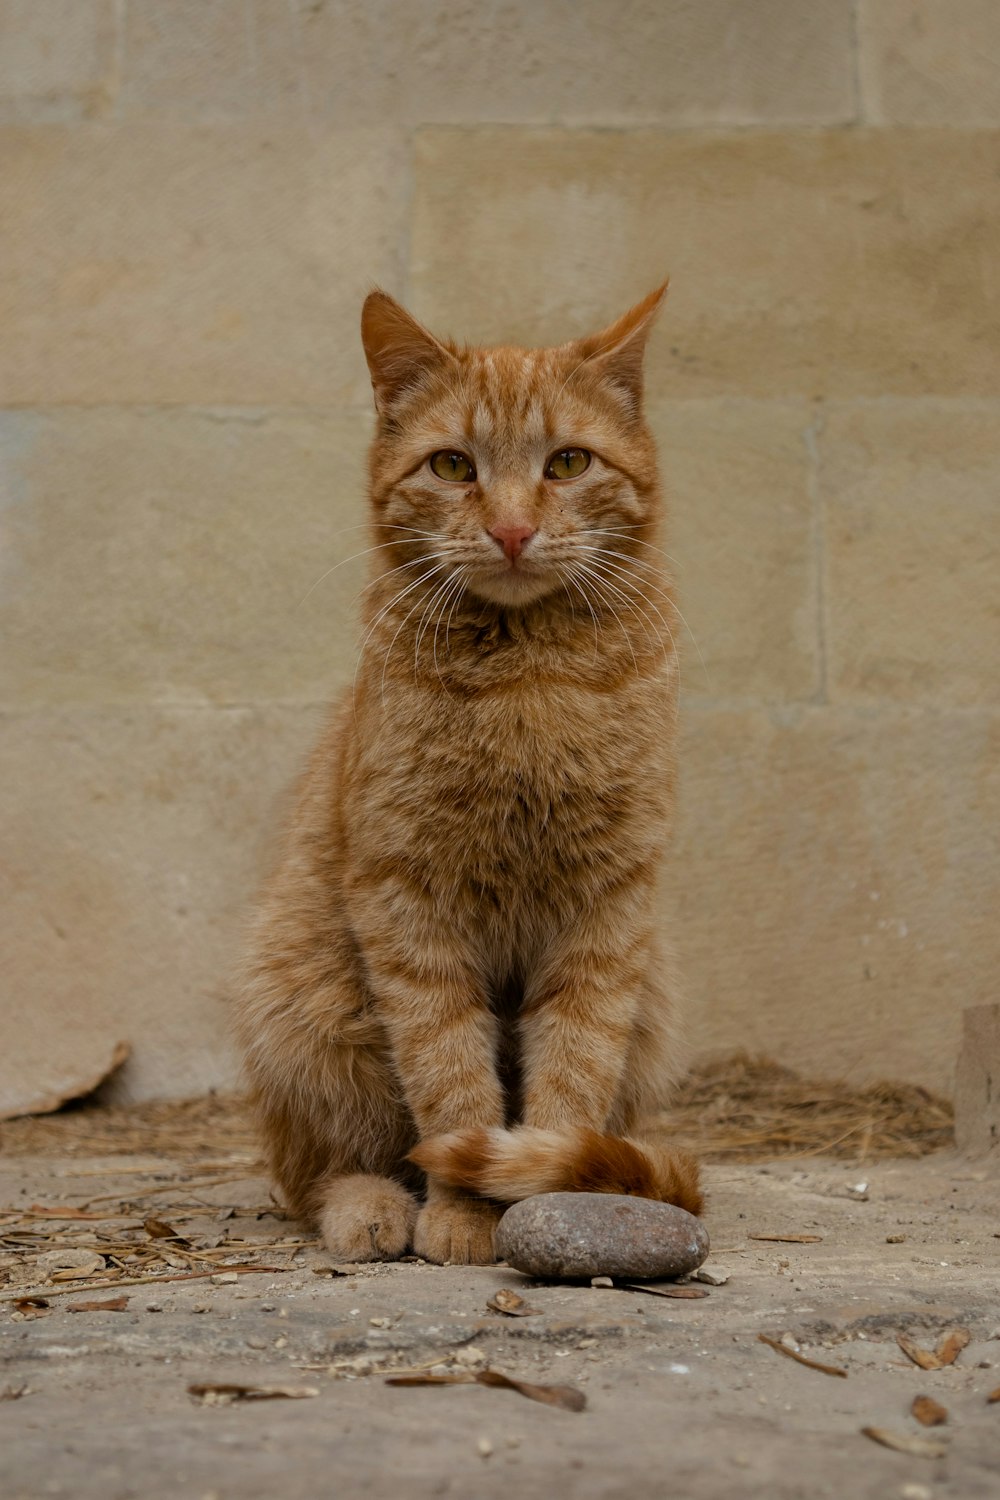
682	1397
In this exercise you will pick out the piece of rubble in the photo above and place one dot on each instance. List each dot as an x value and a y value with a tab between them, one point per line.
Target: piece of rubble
977	1092
38	1076
711	1275
73	1262
577	1236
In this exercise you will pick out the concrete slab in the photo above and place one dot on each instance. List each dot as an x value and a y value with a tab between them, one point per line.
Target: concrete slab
682	1397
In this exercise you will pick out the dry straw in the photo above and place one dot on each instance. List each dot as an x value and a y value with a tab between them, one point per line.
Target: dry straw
735	1108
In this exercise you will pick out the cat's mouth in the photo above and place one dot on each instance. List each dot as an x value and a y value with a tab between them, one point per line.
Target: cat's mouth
514	581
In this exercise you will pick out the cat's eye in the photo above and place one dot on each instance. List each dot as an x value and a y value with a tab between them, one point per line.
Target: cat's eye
456	468
568	463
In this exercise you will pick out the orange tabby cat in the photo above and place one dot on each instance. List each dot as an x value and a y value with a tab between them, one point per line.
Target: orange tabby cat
455	967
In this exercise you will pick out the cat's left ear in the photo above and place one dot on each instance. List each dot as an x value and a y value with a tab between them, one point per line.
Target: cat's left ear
616	353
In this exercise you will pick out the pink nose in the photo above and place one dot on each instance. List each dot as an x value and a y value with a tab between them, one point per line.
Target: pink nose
512	538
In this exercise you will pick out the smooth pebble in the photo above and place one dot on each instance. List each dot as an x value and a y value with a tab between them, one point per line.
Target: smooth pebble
580	1235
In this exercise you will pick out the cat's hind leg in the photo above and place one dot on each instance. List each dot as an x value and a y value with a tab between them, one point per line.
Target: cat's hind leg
363	1216
337	1144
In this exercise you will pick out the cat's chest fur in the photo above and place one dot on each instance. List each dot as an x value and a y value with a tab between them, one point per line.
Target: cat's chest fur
519	800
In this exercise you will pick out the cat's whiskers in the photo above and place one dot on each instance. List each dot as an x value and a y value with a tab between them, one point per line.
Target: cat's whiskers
380	616
399	629
623	534
467	571
638	562
649	628
586	600
569	596
440	594
614	583
394	542
456	594
600	560
414	562
386	608
599	585
654	568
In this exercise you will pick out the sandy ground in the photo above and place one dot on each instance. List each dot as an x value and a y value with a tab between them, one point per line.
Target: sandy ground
682	1398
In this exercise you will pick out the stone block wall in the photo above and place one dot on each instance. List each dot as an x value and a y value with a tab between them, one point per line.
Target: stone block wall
194	197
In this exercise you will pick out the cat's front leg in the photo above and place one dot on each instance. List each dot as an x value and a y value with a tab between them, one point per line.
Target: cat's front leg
443	1039
578	1022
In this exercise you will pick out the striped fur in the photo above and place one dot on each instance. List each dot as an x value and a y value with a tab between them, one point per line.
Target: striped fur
513	1164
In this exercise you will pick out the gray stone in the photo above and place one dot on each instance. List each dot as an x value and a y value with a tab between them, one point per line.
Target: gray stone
579	1235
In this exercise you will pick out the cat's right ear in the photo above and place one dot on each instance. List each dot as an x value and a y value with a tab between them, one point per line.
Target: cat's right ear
399	350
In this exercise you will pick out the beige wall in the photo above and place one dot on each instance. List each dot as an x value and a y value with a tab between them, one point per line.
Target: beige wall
194	196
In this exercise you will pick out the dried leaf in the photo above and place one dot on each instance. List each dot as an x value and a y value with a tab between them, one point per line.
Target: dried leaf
110	1304
928	1412
787	1239
994	1395
566	1397
506	1301
221	1393
668	1289
44	1211
158	1230
459	1377
922	1357
30	1304
14	1392
801	1359
950	1346
906	1442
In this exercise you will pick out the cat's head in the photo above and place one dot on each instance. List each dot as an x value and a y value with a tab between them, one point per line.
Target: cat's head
519	470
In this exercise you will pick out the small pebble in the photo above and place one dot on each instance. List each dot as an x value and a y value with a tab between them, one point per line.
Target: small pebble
601	1281
225	1278
582	1235
895	1239
710	1276
83	1262
484	1447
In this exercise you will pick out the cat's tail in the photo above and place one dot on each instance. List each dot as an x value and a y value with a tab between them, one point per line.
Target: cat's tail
514	1164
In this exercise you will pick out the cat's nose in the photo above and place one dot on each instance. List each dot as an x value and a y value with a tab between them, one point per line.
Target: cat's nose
512	538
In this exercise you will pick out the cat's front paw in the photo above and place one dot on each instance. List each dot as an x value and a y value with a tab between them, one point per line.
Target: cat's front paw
457	1230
